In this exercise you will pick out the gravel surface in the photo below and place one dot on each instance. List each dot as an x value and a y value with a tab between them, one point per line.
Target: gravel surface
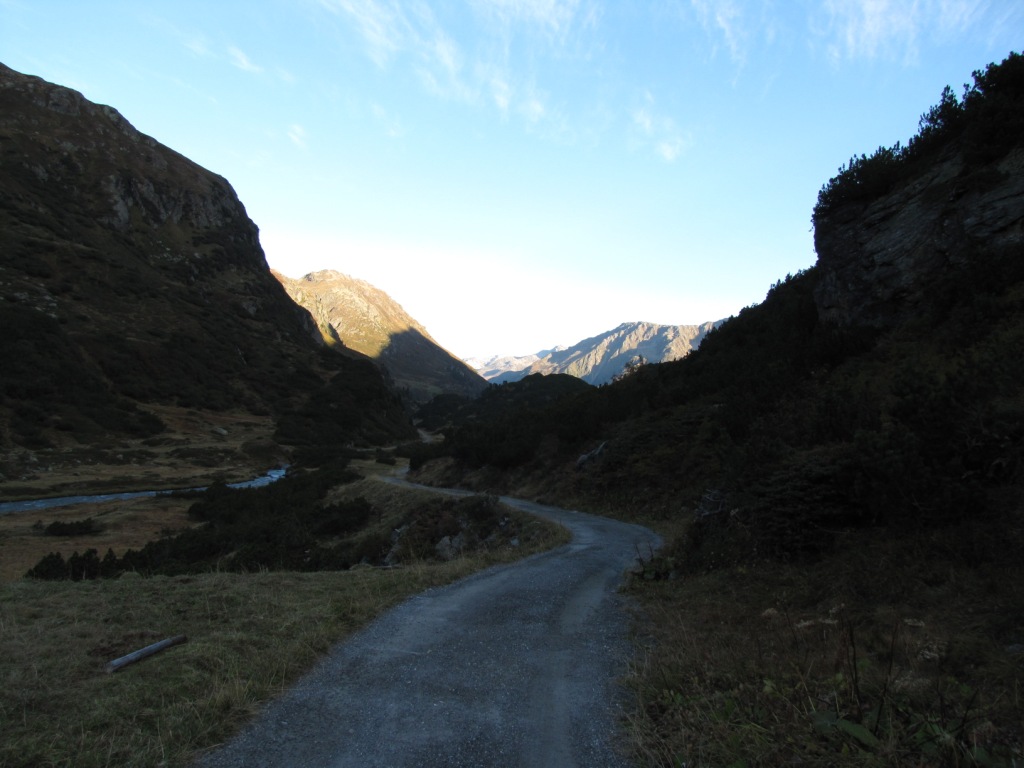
513	666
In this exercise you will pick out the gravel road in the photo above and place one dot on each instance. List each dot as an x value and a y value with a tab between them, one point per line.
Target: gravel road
513	666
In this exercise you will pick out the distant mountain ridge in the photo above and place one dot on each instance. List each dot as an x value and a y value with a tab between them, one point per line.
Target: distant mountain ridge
367	320
493	367
599	359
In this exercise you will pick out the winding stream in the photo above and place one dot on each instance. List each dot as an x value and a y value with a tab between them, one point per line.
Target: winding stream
11	507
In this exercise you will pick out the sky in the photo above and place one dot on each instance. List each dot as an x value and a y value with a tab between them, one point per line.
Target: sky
521	174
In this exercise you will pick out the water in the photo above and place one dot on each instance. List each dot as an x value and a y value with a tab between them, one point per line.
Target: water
10	507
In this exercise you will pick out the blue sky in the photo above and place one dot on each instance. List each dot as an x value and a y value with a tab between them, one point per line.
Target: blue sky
523	173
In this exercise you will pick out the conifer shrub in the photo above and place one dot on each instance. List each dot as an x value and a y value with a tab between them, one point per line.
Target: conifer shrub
985	124
85	527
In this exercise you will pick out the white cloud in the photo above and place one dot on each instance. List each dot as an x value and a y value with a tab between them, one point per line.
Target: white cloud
380	24
501	93
724	18
298	135
391	125
656	131
491	60
198	46
892	29
392	29
554	15
533	109
240	60
670	148
642	119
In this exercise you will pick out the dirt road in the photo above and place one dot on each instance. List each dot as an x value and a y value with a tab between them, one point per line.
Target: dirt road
514	666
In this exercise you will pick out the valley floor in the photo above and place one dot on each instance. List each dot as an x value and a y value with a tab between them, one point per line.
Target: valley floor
196	449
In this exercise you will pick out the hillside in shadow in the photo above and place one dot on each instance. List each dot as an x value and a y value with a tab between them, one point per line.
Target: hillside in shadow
839	471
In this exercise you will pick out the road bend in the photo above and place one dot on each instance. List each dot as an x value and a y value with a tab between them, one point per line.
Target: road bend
518	665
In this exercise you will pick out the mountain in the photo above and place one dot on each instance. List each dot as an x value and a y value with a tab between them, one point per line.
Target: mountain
495	366
600	359
366	319
134	292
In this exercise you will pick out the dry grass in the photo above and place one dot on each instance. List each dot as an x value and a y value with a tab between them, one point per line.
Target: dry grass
250	636
122	525
872	658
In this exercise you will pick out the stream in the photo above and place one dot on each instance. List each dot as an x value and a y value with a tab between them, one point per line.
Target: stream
11	507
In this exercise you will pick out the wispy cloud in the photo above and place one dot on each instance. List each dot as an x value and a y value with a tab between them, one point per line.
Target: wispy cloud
670	148
501	93
490	58
533	109
724	19
240	60
391	125
198	46
557	16
656	131
297	134
891	29
391	29
381	24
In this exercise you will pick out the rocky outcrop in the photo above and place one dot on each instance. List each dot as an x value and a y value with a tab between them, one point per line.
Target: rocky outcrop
367	320
879	258
602	358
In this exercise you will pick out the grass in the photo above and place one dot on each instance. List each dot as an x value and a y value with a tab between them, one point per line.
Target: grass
250	637
120	525
890	654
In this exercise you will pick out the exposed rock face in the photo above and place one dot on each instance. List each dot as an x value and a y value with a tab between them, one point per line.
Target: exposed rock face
366	319
600	359
134	275
878	259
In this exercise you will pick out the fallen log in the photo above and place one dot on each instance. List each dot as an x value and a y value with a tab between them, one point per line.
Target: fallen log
143	653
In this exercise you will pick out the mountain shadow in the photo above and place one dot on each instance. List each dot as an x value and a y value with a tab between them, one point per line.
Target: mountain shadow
367	320
422	370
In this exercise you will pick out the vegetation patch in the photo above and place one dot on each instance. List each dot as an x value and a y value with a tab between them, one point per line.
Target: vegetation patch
84	527
883	655
302	523
250	635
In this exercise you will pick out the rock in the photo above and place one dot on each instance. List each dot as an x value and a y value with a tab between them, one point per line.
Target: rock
588	457
879	258
448	548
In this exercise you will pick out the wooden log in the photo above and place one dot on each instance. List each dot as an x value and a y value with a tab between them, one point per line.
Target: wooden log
143	653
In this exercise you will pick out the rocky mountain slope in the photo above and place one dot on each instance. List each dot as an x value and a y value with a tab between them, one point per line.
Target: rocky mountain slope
600	359
880	258
366	319
132	281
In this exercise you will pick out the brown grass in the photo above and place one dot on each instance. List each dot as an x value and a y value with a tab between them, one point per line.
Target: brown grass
882	656
123	525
